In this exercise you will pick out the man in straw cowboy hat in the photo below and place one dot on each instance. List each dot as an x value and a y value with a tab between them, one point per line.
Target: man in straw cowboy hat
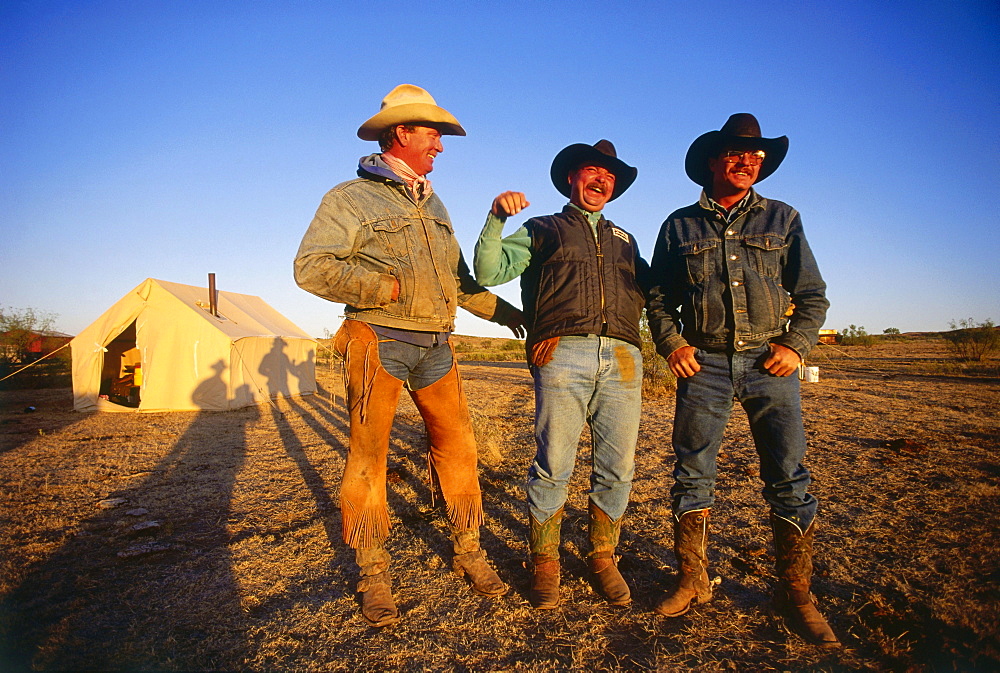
581	279
737	303
383	245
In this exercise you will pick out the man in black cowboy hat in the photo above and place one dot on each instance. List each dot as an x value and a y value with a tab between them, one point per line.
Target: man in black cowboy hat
737	303
582	289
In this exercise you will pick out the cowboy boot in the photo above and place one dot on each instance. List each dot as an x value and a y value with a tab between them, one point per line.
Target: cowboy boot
793	551
691	550
470	561
543	541
377	605
604	535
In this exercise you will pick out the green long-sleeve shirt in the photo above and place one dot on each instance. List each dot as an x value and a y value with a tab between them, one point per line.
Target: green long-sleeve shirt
500	260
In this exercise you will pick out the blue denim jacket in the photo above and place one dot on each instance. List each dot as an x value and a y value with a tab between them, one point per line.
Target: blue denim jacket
370	232
729	287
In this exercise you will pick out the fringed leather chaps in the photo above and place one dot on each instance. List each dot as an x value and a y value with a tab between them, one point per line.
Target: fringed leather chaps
452	456
372	396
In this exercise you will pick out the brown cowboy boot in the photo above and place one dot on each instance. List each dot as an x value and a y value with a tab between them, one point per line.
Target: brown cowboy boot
470	561
543	540
691	550
793	564
377	605
604	535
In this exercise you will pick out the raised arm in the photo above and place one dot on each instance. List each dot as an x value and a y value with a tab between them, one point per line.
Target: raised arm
497	261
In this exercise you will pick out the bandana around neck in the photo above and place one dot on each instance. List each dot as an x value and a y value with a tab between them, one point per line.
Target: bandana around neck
418	184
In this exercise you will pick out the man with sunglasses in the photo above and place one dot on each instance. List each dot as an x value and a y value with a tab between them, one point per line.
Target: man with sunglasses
736	304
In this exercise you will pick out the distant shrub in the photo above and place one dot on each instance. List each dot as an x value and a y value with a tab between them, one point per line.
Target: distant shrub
656	375
890	330
973	341
856	336
22	364
19	327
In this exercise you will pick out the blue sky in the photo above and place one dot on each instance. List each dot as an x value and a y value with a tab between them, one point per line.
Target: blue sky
169	139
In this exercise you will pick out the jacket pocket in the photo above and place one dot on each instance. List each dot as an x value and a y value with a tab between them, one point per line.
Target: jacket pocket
766	254
393	235
698	258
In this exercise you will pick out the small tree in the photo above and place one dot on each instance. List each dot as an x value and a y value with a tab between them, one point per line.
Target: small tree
891	330
972	340
856	336
656	374
19	327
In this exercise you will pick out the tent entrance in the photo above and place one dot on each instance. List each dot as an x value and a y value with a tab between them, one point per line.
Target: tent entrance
121	371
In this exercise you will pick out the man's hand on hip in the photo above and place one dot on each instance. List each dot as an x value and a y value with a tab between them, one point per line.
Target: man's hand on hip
509	203
783	361
541	352
682	362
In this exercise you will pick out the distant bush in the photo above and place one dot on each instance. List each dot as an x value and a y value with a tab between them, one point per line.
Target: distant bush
19	327
488	350
890	330
856	336
656	375
22	364
973	341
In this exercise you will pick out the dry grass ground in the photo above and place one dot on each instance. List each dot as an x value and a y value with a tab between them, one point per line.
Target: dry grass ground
239	564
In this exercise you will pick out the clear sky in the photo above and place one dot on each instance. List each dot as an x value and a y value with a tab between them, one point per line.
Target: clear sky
172	139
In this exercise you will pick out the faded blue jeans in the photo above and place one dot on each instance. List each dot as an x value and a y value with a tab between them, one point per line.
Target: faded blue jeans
774	409
595	380
417	366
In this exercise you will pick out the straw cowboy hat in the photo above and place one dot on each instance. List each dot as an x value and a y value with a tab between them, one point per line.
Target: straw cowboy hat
408	104
741	131
600	154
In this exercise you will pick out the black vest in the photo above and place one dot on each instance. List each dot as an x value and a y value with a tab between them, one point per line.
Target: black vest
576	285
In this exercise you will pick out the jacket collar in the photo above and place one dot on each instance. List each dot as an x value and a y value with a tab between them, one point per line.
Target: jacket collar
372	167
754	200
592	218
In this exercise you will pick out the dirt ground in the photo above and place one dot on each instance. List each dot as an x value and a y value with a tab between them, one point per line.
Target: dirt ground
212	540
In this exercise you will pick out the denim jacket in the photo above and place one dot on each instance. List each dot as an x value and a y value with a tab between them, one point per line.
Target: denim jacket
368	233
730	287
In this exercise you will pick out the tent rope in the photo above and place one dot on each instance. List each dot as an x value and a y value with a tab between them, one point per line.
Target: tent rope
34	363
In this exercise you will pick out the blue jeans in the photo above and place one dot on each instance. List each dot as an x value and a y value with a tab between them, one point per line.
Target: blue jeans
419	367
774	409
595	380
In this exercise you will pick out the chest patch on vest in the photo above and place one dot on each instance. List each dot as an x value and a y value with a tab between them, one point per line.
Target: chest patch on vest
620	233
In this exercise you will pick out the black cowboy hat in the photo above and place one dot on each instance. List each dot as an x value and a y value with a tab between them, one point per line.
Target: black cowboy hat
741	131
602	154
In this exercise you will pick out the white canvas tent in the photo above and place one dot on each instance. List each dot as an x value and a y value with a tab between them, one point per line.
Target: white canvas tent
188	358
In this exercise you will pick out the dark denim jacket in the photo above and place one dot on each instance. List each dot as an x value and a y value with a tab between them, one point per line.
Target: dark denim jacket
728	287
368	233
